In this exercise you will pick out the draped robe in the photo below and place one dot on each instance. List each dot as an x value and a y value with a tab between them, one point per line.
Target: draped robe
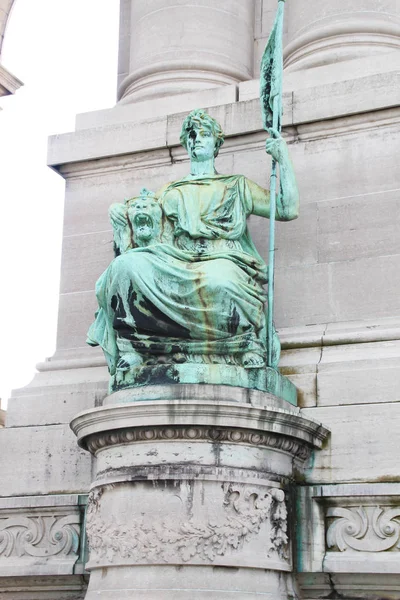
198	292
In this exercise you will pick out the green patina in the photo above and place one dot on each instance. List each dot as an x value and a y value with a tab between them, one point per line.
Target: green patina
184	299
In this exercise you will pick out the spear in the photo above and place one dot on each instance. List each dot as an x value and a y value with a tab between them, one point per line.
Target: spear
271	109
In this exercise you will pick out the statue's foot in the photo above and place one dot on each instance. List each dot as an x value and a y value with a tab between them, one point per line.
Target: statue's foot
252	360
129	361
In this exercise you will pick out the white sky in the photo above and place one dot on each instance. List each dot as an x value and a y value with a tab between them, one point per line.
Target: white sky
65	52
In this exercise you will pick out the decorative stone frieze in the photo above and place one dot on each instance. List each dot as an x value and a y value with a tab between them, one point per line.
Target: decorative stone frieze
244	511
211	434
363	529
40	536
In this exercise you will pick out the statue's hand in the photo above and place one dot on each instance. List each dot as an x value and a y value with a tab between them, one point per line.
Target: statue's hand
276	145
118	215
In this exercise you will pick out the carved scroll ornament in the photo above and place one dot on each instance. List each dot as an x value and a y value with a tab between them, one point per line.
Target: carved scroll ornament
39	536
364	529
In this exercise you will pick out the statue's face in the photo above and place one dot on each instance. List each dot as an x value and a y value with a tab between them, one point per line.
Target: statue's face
201	144
145	216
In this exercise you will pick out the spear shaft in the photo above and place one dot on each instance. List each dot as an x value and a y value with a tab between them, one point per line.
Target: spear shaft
271	254
271	107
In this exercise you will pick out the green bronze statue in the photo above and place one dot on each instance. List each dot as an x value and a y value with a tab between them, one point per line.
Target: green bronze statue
184	299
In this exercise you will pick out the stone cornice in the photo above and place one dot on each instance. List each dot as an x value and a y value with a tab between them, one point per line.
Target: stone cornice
178	416
304	106
9	84
255	140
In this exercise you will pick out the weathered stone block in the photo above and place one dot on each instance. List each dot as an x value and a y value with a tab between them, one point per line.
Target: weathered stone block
47	459
362	445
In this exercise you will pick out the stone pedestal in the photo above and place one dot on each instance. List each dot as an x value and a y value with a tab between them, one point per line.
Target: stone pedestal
178	47
322	32
191	496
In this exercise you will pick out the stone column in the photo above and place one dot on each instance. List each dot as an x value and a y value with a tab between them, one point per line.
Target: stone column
179	46
322	32
191	496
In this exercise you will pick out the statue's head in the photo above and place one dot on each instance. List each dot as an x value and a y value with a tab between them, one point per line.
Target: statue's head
145	217
201	135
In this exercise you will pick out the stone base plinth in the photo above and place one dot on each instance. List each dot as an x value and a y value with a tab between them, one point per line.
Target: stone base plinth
187	582
191	495
187	374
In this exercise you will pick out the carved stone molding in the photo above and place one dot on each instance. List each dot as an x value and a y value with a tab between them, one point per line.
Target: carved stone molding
142	539
39	535
363	529
208	434
352	530
191	419
50	587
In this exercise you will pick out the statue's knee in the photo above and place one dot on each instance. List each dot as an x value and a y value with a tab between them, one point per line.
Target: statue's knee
224	275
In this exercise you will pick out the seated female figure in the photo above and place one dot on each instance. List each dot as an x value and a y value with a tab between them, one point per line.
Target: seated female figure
188	283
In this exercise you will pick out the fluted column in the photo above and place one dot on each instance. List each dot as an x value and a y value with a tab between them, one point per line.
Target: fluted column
180	46
322	32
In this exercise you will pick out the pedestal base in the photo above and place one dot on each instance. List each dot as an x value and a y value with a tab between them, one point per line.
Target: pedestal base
191	497
187	582
265	379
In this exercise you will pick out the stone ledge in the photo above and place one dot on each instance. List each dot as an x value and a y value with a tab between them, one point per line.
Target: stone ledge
191	413
251	139
326	362
121	113
366	586
302	106
67	587
218	376
308	336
